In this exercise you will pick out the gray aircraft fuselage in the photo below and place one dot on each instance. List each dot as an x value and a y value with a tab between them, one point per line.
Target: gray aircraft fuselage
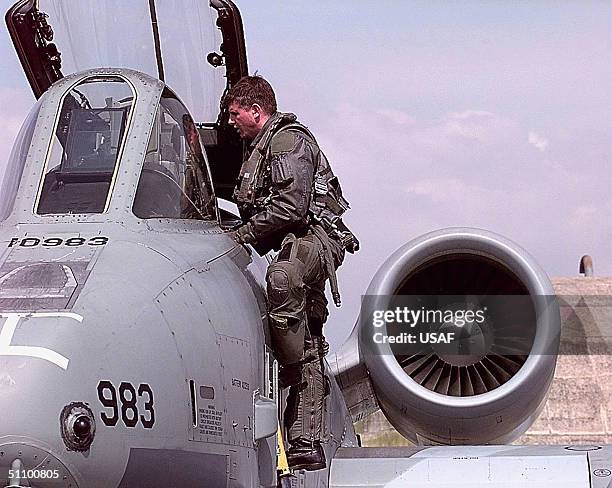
156	326
133	332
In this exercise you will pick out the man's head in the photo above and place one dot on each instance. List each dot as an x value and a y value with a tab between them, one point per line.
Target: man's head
250	103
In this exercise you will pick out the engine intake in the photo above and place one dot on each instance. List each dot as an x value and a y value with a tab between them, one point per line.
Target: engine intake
501	349
491	394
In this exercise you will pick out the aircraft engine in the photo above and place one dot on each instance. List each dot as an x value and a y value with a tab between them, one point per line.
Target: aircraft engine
492	393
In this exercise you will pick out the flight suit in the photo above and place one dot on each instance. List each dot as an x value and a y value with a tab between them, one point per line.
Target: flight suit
277	218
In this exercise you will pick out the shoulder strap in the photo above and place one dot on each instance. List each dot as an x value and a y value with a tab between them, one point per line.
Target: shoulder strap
250	170
300	127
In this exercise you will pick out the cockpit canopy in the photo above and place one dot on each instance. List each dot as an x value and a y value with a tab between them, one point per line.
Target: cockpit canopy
174	182
90	133
110	134
167	40
195	46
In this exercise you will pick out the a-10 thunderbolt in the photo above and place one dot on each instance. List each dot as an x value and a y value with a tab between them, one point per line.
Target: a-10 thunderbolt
133	347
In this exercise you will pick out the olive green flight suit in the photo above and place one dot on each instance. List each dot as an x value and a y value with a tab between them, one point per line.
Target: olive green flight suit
297	307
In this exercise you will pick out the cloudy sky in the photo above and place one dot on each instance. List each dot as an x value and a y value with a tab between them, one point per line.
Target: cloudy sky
493	114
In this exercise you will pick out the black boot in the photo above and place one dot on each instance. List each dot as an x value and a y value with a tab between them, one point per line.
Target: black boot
308	456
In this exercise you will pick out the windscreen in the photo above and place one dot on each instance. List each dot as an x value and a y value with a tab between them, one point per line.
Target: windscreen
86	147
175	182
116	34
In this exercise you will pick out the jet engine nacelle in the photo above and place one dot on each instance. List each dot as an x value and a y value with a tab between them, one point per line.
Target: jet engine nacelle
490	396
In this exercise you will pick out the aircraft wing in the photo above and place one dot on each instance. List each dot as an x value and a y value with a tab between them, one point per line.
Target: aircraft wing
473	467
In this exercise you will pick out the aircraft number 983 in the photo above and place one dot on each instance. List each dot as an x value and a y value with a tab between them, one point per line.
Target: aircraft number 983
57	241
123	404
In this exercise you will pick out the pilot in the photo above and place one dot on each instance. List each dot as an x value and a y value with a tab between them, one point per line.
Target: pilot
276	195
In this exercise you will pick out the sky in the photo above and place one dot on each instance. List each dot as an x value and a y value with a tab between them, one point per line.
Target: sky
490	114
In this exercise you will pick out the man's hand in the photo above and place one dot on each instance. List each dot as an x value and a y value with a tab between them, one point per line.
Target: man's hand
243	235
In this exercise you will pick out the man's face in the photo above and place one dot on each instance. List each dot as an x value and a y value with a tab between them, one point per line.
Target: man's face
247	121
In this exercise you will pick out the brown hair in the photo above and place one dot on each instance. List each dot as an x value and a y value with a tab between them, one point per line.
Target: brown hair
250	90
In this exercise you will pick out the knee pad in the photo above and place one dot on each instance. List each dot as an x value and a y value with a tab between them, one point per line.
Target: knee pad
282	282
278	286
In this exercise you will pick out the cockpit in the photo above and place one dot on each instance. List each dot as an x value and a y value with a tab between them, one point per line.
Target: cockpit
116	133
88	138
174	182
120	140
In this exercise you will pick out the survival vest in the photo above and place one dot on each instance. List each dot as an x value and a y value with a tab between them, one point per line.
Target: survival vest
327	204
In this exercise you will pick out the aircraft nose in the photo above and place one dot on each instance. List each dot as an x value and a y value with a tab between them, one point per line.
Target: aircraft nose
23	464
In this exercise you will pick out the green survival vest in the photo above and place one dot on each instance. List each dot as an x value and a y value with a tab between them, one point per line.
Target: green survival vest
327	204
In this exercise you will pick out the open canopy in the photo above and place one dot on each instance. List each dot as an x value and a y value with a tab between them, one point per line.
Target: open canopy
196	47
178	41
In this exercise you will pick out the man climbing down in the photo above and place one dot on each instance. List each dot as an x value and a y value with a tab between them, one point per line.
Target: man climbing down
290	200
